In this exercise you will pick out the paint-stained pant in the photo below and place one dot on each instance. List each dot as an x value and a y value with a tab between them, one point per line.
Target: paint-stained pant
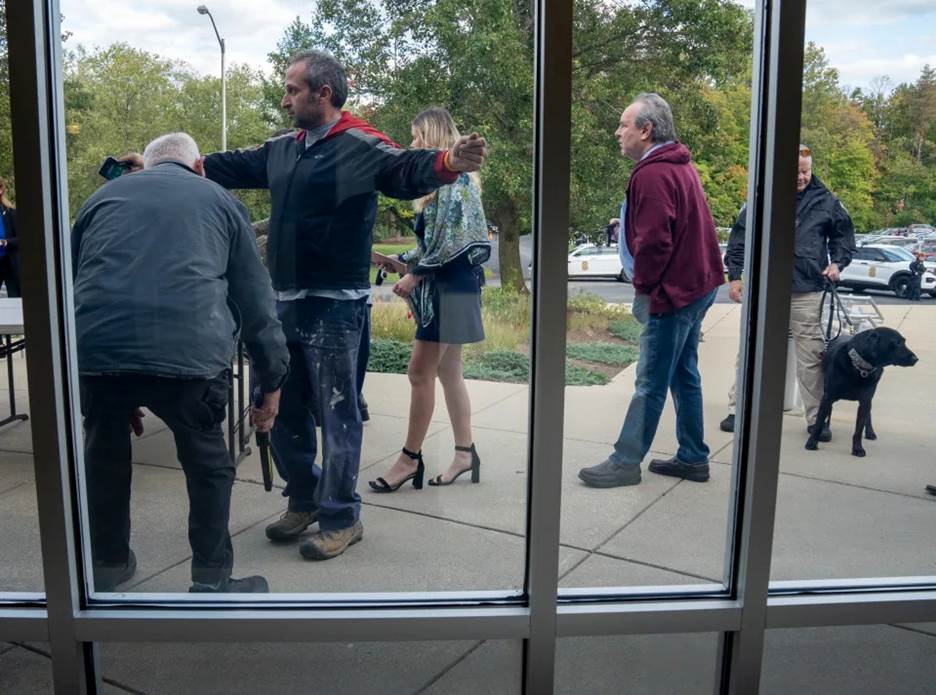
323	336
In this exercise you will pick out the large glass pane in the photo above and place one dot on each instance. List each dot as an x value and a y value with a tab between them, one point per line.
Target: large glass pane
853	659
649	312
153	329
859	508
21	568
327	668
637	664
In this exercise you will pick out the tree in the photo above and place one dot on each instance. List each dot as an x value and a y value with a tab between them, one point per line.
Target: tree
841	137
476	59
119	98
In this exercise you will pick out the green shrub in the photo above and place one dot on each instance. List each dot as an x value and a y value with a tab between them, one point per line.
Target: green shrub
583	376
625	328
586	303
603	353
499	365
389	356
514	367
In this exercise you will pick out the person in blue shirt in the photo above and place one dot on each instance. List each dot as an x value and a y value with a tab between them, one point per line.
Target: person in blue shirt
9	244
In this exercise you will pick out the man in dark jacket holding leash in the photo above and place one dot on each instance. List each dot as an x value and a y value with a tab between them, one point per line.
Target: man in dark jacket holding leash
324	183
166	274
824	245
670	249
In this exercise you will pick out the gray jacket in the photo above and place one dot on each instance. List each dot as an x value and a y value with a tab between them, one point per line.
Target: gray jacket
166	274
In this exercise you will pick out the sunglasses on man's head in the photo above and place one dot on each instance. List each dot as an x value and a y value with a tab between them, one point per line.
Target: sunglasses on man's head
805	152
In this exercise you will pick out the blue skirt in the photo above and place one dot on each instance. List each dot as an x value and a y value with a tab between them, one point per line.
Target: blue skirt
456	302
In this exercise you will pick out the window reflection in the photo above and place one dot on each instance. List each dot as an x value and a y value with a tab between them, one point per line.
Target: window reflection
659	172
852	495
401	322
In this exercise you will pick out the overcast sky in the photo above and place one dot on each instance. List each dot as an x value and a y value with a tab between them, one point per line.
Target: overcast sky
864	39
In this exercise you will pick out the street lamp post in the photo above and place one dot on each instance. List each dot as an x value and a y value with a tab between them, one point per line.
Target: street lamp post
202	9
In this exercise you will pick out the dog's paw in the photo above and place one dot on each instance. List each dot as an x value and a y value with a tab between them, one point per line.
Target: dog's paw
812	444
858	451
870	434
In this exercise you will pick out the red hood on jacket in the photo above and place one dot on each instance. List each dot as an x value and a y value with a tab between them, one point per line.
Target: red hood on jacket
347	122
674	153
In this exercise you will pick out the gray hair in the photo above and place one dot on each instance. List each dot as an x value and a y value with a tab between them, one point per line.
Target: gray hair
655	111
173	147
322	69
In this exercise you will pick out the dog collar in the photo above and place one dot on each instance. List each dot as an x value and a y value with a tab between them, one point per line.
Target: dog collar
860	364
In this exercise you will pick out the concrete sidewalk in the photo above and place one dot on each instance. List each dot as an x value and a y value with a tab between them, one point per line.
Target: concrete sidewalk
837	516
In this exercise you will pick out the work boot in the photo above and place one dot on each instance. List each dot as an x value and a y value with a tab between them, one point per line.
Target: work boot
696	472
327	544
727	425
108	577
610	474
824	436
290	525
248	585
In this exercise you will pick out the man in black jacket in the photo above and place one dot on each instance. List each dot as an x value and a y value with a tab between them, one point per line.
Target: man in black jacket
824	244
166	274
324	182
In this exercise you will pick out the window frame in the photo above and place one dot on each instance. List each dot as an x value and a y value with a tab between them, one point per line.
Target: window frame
750	603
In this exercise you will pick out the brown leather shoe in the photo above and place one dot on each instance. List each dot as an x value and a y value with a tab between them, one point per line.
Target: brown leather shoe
290	525
325	545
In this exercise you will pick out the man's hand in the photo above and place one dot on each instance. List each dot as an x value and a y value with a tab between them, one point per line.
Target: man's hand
136	422
468	153
134	158
832	272
264	415
405	285
734	291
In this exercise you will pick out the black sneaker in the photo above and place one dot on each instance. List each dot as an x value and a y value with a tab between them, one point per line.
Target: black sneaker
696	472
727	425
108	577
824	436
248	585
609	474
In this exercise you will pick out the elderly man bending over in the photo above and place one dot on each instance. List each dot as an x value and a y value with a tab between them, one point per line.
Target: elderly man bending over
166	274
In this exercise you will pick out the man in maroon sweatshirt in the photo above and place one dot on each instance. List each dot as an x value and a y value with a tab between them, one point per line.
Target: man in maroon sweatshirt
670	249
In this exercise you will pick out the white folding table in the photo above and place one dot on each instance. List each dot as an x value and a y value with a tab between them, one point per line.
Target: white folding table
11	324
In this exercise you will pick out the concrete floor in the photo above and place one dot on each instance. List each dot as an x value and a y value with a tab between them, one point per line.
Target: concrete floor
837	517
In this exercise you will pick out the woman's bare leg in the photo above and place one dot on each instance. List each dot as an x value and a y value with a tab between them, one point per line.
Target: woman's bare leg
459	407
422	371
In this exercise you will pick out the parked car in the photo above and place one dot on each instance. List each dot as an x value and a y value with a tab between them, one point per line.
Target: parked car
882	267
589	260
887	240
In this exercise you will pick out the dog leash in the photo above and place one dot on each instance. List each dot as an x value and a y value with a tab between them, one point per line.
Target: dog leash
835	311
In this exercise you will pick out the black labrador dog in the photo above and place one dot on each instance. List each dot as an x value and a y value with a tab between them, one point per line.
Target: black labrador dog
853	366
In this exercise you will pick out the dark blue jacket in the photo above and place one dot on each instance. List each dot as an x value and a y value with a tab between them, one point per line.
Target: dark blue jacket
824	233
324	198
166	274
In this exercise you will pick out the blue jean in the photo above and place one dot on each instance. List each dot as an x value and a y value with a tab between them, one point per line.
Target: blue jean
323	336
669	360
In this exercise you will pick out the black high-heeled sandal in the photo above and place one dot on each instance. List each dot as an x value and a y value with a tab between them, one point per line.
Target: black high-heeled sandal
381	485
475	468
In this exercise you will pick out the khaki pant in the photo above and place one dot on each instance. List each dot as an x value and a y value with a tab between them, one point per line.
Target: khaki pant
808	343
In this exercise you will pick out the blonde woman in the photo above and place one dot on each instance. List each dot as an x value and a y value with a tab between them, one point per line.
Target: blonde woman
9	244
443	286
